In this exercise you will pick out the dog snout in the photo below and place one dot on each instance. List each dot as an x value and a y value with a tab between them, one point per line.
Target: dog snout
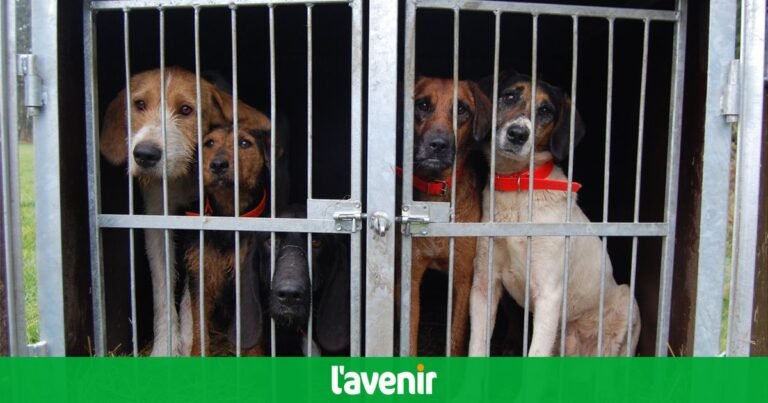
290	293
219	166
517	135
438	145
147	155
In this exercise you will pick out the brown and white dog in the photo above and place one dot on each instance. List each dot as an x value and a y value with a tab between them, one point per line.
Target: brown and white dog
515	140
435	147
219	258
149	152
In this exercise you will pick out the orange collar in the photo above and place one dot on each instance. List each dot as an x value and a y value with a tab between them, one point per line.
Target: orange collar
518	182
255	212
435	188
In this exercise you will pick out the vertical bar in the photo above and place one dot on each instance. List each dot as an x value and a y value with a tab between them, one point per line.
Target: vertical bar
201	194
129	126
529	239
714	207
638	176
166	232
407	182
14	276
235	144
673	162
382	128
606	184
273	115
748	170
48	183
569	193
357	167
491	179
94	179
454	123
309	169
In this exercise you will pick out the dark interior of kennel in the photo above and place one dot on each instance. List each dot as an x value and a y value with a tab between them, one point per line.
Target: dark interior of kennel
331	88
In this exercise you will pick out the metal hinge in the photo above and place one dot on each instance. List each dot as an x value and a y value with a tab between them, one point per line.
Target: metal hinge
26	66
417	216
39	349
729	103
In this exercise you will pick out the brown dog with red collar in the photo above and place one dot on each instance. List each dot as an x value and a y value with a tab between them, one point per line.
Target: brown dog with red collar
435	147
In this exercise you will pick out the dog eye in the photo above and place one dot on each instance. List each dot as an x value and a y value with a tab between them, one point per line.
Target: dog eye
208	143
139	104
544	110
244	143
422	105
510	99
462	109
185	110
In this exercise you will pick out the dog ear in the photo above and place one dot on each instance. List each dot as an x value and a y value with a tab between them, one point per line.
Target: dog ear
251	315
559	141
486	83
113	141
221	114
332	318
481	124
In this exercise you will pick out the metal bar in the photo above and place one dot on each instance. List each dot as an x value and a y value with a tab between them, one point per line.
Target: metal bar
47	183
129	126
382	128
673	163
272	130
309	170
235	144
201	194
551	9
506	229
714	207
529	239
638	176
94	181
148	4
606	184
492	175
748	170
14	276
166	233
569	195
454	123
357	168
407	180
217	223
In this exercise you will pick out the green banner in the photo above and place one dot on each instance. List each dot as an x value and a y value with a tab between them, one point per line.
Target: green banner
384	379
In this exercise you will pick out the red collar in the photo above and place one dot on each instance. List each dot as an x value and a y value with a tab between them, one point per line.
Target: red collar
435	188
520	181
255	212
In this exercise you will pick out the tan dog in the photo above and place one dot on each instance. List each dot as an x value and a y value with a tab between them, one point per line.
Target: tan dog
549	141
435	147
219	180
148	154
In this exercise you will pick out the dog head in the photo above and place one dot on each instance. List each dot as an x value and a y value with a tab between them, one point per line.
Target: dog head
219	159
147	145
291	287
516	137
435	144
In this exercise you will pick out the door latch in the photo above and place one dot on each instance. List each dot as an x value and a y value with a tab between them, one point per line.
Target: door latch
26	65
729	103
379	223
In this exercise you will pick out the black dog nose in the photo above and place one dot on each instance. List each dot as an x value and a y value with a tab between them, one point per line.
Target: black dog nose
517	134
219	166
438	145
147	155
289	293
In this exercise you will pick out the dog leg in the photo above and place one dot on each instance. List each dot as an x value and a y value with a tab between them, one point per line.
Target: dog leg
462	280
416	276
155	245
546	321
478	301
185	318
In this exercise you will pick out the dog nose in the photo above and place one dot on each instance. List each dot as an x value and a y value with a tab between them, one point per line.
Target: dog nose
289	293
438	145
147	155
517	134
219	166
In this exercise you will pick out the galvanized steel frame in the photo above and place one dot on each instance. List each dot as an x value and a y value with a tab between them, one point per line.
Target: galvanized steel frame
665	229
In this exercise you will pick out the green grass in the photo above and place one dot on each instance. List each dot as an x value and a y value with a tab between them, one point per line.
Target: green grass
27	189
